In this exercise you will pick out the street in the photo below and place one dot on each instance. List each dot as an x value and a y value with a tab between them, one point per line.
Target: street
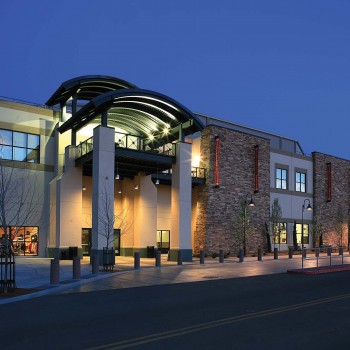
262	312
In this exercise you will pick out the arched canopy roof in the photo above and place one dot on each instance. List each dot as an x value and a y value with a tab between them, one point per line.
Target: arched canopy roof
87	87
137	111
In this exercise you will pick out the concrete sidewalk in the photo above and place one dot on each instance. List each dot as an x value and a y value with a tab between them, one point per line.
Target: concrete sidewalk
34	273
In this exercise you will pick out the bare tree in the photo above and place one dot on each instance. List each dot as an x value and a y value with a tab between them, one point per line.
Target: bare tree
275	220
317	230
340	224
243	227
19	200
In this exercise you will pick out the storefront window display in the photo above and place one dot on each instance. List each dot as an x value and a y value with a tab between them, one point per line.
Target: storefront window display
24	239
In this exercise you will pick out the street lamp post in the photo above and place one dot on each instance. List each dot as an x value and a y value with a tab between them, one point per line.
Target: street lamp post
250	204
308	208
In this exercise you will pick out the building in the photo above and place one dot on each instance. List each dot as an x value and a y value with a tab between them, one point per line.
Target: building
107	164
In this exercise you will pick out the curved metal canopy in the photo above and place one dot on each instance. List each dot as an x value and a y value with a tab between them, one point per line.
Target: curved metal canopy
87	87
140	112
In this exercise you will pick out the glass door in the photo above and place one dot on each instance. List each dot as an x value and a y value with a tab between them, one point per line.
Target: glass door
163	241
86	240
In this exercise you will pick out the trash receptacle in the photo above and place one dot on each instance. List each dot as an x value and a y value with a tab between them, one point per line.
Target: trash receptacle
72	252
64	254
150	252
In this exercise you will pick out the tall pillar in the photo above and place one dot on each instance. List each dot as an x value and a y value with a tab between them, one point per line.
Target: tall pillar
181	192
102	189
145	215
65	216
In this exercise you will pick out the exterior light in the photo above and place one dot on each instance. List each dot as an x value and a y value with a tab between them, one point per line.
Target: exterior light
249	204
157	182
117	177
136	187
84	188
308	208
120	190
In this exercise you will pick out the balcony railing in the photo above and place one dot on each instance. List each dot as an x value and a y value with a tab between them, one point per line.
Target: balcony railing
85	147
196	172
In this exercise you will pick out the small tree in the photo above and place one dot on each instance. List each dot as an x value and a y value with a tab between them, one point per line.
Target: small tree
275	220
317	231
18	204
339	224
243	228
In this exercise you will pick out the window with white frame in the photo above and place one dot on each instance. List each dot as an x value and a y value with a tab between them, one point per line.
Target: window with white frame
281	178
300	181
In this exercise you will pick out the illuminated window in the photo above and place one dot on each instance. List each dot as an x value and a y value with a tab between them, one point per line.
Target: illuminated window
305	234
19	146
24	239
280	234
300	182
281	178
163	241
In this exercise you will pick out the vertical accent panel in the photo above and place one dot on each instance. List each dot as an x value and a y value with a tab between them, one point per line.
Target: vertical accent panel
329	182
256	169
217	165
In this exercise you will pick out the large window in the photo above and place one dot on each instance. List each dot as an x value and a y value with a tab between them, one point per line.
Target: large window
281	178
24	239
300	182
280	234
19	146
163	241
305	234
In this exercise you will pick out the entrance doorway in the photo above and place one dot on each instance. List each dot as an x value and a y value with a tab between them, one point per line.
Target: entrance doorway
86	241
163	241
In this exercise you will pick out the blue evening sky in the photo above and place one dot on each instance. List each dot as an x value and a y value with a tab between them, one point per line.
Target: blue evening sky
282	66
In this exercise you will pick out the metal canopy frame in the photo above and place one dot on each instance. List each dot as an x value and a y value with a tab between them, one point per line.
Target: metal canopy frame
86	88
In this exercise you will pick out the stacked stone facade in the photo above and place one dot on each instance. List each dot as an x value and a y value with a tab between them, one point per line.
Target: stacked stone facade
218	206
328	211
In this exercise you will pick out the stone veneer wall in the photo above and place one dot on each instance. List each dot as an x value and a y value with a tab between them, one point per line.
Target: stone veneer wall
327	211
217	207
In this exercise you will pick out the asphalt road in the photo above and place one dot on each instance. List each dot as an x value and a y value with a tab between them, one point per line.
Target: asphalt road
264	312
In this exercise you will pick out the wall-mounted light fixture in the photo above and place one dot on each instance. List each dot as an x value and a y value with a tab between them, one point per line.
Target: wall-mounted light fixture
117	177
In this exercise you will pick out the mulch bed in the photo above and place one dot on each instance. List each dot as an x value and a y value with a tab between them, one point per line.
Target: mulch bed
17	292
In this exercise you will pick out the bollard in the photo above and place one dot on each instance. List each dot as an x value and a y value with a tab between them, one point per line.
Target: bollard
136	260
179	257
158	258
76	268
241	255
304	253
275	253
221	256
201	257
329	251
55	271
259	254
317	252
290	252
95	264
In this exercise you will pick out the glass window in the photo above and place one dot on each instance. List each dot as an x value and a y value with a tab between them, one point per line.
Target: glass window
20	139
300	182
163	241
281	179
5	137
280	234
25	240
305	233
19	146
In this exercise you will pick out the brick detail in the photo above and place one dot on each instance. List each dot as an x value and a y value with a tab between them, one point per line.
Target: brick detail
217	207
327	210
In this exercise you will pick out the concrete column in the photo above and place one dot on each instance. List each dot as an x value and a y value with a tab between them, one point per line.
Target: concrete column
181	192
102	190
65	216
145	215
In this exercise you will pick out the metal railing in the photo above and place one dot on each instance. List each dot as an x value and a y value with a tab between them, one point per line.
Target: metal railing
85	147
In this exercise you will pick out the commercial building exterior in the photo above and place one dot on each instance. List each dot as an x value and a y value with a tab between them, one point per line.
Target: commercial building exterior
114	165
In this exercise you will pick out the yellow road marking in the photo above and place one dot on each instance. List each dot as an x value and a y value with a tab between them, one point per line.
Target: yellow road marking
217	323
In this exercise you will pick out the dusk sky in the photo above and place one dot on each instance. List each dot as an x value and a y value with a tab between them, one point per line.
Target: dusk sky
281	66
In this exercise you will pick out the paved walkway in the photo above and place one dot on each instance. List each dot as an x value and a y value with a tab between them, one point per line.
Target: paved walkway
34	273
